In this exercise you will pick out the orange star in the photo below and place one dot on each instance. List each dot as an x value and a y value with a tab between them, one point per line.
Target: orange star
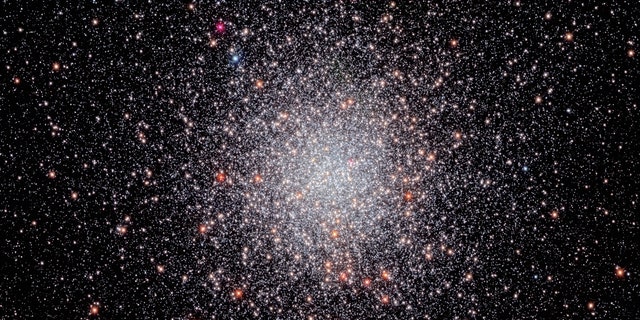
568	36
94	309
385	275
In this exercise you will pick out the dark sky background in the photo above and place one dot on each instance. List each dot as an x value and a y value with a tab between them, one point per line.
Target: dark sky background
319	160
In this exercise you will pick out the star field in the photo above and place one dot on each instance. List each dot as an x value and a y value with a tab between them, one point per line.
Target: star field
329	160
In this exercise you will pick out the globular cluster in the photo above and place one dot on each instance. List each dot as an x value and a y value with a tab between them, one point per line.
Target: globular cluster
319	160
